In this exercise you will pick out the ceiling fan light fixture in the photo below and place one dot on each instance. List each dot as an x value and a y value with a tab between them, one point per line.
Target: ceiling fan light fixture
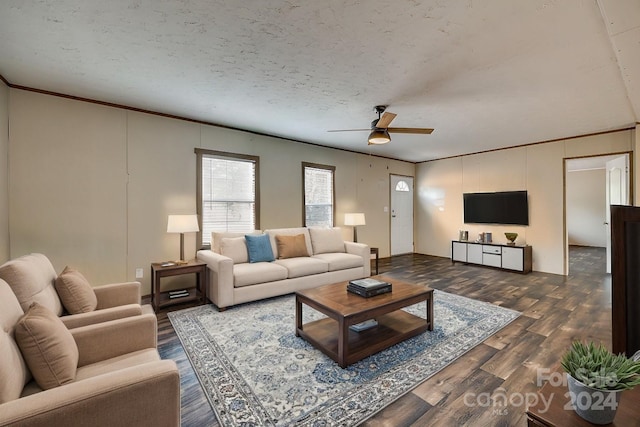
379	136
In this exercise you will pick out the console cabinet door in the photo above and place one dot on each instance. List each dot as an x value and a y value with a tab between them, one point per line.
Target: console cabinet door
492	260
513	258
459	251
474	254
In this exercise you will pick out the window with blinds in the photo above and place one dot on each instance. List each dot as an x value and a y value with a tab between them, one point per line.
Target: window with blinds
227	193
318	194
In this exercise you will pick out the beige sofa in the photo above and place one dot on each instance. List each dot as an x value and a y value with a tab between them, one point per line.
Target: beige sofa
116	377
32	278
233	280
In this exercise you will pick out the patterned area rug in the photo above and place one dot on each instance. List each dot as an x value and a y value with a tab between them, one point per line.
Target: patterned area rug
255	371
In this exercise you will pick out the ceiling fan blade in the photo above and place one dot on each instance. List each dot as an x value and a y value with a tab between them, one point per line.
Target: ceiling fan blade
422	131
349	130
385	120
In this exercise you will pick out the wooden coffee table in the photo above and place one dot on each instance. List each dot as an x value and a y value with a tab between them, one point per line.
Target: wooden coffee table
332	335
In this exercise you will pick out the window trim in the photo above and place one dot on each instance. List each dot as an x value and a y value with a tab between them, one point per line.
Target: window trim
200	153
333	190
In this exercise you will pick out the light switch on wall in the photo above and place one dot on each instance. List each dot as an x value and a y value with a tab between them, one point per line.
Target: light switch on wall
139	273
386	208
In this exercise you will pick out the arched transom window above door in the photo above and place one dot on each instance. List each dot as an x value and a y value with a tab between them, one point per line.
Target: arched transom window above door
402	186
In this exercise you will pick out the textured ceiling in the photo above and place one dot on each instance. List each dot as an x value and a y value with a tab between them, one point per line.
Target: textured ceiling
484	74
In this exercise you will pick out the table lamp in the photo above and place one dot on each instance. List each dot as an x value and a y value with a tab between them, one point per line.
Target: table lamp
182	224
354	220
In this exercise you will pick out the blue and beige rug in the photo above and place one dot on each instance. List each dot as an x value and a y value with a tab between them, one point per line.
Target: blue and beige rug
255	371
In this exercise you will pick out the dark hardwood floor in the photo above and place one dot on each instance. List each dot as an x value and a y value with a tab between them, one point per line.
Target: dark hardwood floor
555	311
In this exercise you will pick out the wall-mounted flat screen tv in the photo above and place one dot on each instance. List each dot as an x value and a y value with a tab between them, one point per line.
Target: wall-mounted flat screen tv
505	207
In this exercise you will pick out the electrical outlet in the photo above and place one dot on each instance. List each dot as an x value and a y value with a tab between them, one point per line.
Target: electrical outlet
139	273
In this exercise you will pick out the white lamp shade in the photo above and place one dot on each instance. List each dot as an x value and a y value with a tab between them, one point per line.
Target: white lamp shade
354	219
182	224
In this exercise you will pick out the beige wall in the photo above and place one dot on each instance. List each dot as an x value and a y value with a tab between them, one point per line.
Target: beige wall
636	165
586	207
535	168
68	184
4	172
91	186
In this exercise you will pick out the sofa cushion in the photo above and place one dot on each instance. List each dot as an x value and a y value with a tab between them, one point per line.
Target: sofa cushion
217	236
76	293
326	240
47	346
32	278
291	246
259	248
260	272
288	232
339	261
235	248
303	266
14	373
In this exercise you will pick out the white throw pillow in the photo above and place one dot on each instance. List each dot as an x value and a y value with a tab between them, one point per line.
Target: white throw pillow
217	236
326	240
234	248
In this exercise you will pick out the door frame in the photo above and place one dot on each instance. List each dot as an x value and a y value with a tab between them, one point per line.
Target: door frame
413	210
625	199
565	234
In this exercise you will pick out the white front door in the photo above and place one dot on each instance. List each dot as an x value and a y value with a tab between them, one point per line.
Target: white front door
401	214
617	191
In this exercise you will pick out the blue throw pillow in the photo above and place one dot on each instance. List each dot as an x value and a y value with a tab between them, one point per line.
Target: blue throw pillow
259	248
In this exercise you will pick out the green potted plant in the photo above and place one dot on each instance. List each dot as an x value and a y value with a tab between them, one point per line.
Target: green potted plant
596	378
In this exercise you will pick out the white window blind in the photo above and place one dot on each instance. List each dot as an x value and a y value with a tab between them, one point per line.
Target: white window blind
318	195
228	195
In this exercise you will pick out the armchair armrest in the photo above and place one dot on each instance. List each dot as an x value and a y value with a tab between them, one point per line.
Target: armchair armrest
117	294
83	319
362	250
103	341
143	395
220	286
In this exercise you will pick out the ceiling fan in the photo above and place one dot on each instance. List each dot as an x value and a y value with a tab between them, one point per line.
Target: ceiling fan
380	127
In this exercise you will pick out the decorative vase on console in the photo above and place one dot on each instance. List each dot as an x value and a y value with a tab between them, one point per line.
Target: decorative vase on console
511	237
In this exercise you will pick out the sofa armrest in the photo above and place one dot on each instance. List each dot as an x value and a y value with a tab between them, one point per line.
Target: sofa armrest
220	287
143	395
83	319
362	250
111	339
117	294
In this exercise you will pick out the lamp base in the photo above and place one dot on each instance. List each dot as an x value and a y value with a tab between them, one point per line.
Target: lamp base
181	262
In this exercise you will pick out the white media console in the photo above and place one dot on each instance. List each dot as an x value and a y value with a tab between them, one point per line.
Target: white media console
508	257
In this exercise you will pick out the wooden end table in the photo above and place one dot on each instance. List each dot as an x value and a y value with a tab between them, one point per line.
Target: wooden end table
332	335
161	299
560	414
375	251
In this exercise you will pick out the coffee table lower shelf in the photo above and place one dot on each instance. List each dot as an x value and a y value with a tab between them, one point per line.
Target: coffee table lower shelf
392	328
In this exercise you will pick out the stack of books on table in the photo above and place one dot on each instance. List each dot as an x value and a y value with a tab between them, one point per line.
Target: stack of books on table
178	294
368	287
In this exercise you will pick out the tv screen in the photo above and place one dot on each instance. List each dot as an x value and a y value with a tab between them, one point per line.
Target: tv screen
506	207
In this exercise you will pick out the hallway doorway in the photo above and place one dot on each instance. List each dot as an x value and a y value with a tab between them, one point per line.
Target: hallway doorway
592	184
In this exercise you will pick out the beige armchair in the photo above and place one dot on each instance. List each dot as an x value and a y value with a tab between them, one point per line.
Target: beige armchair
32	278
119	381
